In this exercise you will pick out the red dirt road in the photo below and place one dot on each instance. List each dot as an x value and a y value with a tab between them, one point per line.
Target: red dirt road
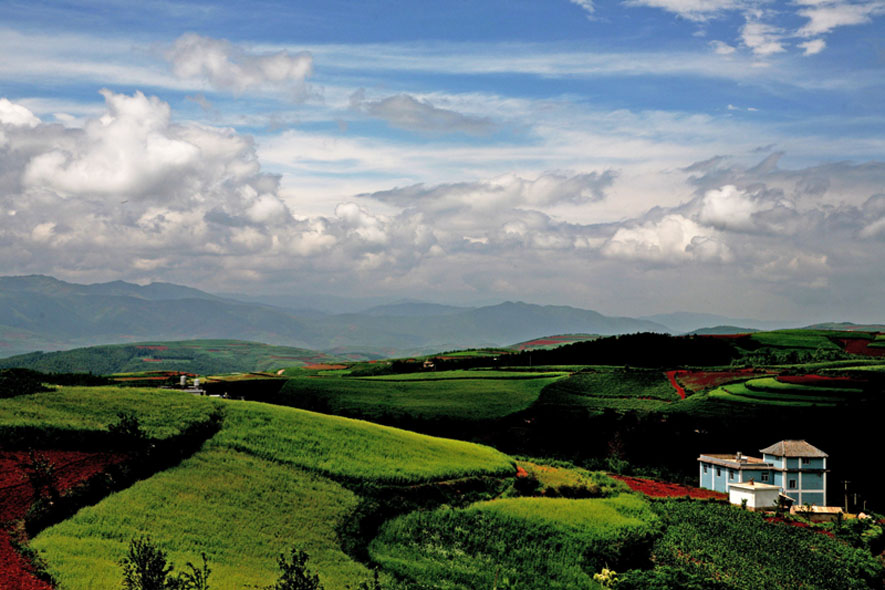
671	375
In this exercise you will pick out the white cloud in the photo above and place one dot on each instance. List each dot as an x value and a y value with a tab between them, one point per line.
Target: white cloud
763	39
226	66
813	47
586	5
824	16
672	239
407	112
721	48
696	10
16	114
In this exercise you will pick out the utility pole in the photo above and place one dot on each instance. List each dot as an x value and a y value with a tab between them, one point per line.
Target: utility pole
845	483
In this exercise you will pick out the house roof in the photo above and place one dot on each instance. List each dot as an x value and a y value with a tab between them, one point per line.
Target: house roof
793	448
753	485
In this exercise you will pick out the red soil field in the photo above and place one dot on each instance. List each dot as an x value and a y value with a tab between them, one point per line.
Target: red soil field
324	367
860	346
140	378
152	360
152	347
286	358
700	380
660	489
814	380
16	495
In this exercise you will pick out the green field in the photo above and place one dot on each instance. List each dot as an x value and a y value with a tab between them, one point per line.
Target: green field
601	388
457	395
241	510
161	413
813	339
533	543
352	449
721	546
768	390
270	479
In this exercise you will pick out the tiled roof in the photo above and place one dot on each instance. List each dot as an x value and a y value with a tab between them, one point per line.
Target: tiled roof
731	461
793	448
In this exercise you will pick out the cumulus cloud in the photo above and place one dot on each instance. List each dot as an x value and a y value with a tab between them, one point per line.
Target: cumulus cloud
229	67
672	239
16	115
407	112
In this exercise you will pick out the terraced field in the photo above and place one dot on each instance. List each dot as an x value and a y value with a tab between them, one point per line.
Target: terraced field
769	390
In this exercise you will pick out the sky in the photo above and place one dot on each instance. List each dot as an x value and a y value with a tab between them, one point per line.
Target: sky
632	156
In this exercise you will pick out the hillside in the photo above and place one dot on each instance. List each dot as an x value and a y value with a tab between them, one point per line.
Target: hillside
202	357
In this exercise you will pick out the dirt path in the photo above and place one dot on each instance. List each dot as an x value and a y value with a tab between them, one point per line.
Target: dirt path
671	375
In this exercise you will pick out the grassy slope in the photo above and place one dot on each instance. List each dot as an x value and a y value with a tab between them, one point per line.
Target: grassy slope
536	543
257	488
241	510
161	413
458	398
615	388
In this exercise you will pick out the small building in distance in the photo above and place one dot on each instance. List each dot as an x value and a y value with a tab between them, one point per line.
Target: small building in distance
797	468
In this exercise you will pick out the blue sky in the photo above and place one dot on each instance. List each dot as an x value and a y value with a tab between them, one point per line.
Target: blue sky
632	157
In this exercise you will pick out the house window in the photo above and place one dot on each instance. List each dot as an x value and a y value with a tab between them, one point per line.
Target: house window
730	474
806	461
705	469
718	472
792	484
764	477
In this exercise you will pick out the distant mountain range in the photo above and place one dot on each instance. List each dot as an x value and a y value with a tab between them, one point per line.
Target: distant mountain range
42	313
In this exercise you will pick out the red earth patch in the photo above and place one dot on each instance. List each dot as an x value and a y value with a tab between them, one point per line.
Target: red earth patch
701	380
671	375
324	367
152	347
660	489
860	346
17	494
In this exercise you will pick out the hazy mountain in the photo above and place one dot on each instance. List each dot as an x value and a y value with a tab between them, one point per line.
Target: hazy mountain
683	322
43	313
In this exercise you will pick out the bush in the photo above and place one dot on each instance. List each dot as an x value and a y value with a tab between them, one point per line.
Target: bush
294	574
145	566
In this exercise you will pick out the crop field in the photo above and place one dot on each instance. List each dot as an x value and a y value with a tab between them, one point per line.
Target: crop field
352	450
467	374
553	341
161	413
243	511
813	339
557	480
463	395
740	550
532	543
790	391
642	390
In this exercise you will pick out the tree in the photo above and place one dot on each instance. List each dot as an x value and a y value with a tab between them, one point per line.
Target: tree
40	472
145	566
294	574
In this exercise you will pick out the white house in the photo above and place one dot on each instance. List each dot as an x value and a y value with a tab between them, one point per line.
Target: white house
759	496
